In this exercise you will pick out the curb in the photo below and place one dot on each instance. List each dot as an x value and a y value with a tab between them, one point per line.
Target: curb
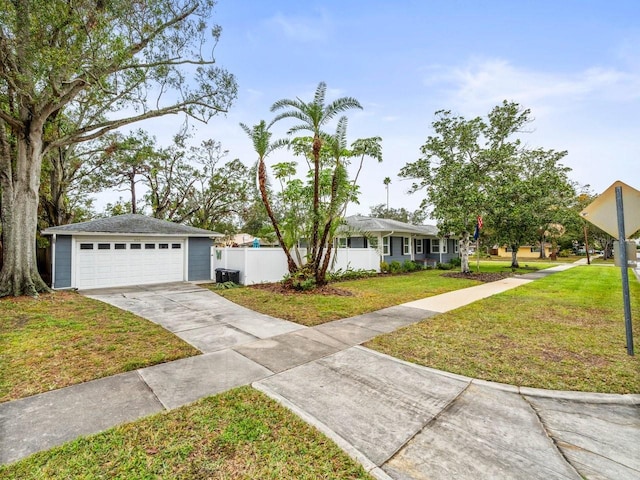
632	399
343	444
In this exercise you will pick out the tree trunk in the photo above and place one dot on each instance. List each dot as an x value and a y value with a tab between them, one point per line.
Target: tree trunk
321	275
262	186
464	253
56	207
314	260
19	274
132	183
543	254
514	256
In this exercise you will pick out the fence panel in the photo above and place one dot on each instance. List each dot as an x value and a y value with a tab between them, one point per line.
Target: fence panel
356	259
261	265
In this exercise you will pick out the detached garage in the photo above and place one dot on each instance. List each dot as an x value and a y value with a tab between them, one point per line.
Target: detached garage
128	250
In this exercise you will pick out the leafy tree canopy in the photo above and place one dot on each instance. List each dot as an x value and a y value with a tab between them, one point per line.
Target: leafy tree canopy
103	65
479	167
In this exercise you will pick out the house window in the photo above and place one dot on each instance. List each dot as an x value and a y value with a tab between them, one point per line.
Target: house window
120	246
149	246
455	246
176	245
406	246
86	246
104	246
373	242
135	246
342	242
419	246
386	246
438	243
163	246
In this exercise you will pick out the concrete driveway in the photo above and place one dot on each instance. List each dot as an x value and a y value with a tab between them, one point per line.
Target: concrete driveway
400	420
205	320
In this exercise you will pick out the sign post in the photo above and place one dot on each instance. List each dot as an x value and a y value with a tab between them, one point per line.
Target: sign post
600	213
622	240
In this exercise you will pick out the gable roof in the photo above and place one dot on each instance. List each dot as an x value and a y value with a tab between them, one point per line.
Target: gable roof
373	224
130	224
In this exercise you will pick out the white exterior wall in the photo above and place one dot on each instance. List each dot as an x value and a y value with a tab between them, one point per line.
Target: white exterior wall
266	265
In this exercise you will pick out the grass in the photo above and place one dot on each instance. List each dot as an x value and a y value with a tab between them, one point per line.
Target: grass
63	338
365	295
240	434
562	332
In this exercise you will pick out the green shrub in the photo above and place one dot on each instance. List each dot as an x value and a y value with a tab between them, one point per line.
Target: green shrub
384	267
565	253
395	267
350	274
455	262
409	266
444	266
300	281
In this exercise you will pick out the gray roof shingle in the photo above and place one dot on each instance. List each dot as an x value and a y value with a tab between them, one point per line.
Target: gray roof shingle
361	223
131	224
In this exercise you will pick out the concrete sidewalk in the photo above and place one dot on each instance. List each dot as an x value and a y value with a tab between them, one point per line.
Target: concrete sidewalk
400	420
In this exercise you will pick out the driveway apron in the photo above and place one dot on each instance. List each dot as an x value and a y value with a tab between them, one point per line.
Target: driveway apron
198	316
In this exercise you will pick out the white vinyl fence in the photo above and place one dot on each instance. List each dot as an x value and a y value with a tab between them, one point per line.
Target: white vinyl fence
262	265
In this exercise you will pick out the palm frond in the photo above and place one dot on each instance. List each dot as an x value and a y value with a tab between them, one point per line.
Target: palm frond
297	114
288	103
339	105
319	96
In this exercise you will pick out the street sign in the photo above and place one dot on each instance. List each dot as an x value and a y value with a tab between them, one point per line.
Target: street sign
602	211
622	203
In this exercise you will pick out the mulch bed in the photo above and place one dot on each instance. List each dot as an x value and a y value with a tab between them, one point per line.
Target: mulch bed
283	289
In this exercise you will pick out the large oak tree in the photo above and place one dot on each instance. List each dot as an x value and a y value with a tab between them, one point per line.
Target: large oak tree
480	167
134	60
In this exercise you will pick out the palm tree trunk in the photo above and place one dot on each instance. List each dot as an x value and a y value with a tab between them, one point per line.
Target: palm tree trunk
317	145
262	183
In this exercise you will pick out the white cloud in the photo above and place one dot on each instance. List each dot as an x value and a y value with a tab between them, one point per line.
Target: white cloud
591	113
481	84
301	29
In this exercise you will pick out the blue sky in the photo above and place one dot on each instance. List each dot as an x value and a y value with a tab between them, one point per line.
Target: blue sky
575	64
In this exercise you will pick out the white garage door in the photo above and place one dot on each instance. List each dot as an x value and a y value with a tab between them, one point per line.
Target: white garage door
108	263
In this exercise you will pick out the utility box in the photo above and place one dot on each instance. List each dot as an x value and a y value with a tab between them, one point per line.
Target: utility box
632	253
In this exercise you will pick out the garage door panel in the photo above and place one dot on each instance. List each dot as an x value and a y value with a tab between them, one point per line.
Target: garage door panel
102	264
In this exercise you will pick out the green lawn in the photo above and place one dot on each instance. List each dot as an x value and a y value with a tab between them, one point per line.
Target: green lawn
364	295
63	338
240	434
563	332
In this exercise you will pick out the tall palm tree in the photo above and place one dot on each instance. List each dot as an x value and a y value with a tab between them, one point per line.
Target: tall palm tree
314	116
386	182
365	147
261	138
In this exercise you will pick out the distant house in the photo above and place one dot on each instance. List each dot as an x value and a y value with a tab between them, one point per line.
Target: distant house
244	240
525	251
397	241
128	250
